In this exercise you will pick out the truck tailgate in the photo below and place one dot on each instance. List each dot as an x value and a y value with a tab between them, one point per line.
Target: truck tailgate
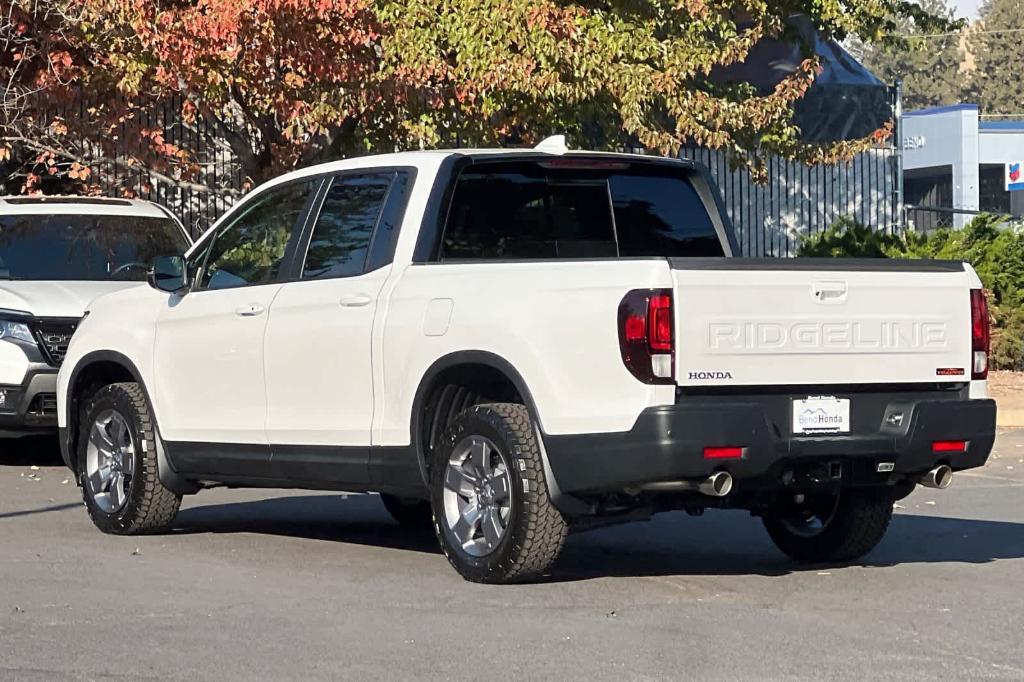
820	321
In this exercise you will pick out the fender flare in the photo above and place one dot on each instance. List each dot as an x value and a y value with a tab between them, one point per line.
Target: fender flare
565	503
165	471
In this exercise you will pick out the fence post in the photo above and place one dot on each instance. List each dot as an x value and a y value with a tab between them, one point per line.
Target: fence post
897	112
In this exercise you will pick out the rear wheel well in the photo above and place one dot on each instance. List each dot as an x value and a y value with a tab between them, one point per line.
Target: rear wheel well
88	380
455	389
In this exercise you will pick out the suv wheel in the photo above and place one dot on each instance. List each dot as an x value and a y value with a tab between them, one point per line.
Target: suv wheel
117	464
492	513
832	527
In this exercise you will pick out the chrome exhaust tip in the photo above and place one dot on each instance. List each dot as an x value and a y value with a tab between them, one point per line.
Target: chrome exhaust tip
718	484
940	477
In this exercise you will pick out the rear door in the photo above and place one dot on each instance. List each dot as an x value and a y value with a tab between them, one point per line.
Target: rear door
208	353
819	322
318	359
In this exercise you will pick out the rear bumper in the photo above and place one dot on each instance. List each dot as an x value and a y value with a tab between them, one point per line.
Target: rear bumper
667	443
30	407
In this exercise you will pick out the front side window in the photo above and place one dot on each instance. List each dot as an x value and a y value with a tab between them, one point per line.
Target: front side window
251	248
85	247
344	228
578	209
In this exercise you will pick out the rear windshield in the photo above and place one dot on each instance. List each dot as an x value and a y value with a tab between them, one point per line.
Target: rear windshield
547	210
84	247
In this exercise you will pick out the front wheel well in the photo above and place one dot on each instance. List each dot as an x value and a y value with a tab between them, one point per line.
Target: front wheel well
454	389
86	382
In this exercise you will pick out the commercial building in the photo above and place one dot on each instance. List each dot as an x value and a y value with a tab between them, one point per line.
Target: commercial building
956	164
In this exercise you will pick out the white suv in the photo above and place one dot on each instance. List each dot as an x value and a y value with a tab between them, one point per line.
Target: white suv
56	255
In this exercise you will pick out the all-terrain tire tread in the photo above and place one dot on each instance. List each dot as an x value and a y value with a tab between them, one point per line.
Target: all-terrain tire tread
545	529
156	506
860	524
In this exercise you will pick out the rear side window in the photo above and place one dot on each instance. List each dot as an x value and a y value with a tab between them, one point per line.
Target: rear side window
344	228
527	210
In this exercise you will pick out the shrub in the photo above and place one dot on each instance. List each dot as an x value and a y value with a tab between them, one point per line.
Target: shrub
846	238
994	250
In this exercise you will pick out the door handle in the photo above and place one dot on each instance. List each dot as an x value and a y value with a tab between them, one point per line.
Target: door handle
356	301
251	310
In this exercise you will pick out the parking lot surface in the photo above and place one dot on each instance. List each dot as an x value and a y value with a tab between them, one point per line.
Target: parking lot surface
292	584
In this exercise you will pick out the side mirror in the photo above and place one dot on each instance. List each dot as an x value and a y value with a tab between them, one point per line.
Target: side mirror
168	273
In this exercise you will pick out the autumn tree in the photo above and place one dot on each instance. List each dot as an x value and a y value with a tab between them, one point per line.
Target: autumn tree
996	83
36	67
283	83
928	65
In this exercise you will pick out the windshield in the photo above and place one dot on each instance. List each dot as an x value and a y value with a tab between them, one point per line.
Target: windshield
85	247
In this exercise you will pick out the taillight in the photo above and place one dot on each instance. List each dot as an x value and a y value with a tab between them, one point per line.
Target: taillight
980	338
646	335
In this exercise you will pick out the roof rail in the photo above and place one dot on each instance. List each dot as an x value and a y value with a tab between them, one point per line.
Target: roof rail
43	199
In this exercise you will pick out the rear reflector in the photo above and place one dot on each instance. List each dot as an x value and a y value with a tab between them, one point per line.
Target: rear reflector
980	337
949	446
723	453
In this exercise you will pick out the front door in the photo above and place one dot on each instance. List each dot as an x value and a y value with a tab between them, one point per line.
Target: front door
208	355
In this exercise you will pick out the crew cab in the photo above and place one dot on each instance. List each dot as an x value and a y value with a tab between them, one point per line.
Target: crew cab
56	255
510	344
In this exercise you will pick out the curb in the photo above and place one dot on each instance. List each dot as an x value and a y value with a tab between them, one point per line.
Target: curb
1009	417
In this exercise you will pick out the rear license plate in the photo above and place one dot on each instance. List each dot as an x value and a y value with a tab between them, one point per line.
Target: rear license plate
821	414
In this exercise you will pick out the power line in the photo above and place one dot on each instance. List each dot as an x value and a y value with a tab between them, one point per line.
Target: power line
967	32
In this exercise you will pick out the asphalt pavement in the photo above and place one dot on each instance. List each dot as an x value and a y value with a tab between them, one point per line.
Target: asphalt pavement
279	585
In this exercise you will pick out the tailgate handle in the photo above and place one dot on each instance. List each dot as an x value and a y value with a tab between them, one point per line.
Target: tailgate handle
829	292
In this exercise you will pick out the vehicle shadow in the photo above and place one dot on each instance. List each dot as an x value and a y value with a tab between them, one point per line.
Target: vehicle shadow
355	519
674	544
669	545
30	450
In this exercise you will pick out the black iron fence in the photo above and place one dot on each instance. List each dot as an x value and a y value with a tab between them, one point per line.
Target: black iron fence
770	218
798	200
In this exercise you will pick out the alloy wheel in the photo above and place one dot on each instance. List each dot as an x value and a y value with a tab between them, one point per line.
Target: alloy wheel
477	495
110	461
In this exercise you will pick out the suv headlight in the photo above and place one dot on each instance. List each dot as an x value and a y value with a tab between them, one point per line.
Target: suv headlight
15	330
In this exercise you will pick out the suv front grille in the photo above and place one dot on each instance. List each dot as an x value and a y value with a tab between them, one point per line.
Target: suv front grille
54	334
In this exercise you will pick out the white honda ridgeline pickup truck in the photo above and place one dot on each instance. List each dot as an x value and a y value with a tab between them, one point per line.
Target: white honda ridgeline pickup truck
518	343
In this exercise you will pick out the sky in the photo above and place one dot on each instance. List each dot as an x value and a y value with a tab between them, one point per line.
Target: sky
967	8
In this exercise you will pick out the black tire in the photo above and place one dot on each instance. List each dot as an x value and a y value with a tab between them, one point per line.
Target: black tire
536	530
149	507
857	525
409	513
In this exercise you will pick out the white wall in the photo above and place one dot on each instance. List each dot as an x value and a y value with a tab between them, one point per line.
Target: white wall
1001	146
